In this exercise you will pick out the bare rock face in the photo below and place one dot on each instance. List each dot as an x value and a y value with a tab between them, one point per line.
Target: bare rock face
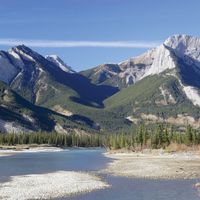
154	61
12	127
178	56
185	46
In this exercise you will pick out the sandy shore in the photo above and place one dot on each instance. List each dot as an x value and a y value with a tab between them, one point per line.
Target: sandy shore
48	186
157	165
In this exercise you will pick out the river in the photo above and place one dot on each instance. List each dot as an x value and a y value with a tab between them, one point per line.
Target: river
93	160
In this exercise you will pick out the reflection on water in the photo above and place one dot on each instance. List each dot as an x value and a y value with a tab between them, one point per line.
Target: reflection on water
93	160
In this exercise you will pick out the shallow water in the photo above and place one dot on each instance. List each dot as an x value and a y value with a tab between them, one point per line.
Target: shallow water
93	160
140	189
44	162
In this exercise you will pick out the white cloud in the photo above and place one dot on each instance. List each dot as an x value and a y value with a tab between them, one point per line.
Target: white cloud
64	44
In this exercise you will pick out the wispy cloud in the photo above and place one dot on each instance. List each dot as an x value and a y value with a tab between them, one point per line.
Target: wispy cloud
65	44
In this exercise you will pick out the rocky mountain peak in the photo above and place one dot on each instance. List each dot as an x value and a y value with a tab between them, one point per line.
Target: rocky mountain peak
182	41
184	45
27	53
22	47
59	63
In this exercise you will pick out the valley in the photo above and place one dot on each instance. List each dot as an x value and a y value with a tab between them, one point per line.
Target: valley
99	100
104	98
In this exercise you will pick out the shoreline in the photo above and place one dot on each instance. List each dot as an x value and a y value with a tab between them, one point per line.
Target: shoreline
154	165
34	148
11	150
149	164
50	185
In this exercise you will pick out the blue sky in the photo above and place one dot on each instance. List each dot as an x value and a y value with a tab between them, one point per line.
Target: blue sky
131	26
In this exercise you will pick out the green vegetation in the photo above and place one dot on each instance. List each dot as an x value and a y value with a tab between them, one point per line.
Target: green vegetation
131	101
54	139
15	108
142	97
94	107
160	137
95	100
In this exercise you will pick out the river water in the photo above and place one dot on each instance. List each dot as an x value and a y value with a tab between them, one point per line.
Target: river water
93	161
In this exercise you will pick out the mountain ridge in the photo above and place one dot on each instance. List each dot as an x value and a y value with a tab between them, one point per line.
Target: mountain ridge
109	95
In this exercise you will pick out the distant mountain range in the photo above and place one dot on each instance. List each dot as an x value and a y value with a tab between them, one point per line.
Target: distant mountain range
43	93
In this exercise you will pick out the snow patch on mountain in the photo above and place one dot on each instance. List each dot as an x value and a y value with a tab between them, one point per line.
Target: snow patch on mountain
59	63
16	59
25	55
7	69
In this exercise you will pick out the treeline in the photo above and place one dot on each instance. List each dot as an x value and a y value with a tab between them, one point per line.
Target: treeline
160	137
55	139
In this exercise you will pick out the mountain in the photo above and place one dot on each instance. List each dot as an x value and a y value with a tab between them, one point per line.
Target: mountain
59	63
43	83
161	85
20	115
180	52
154	61
167	89
130	71
36	79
